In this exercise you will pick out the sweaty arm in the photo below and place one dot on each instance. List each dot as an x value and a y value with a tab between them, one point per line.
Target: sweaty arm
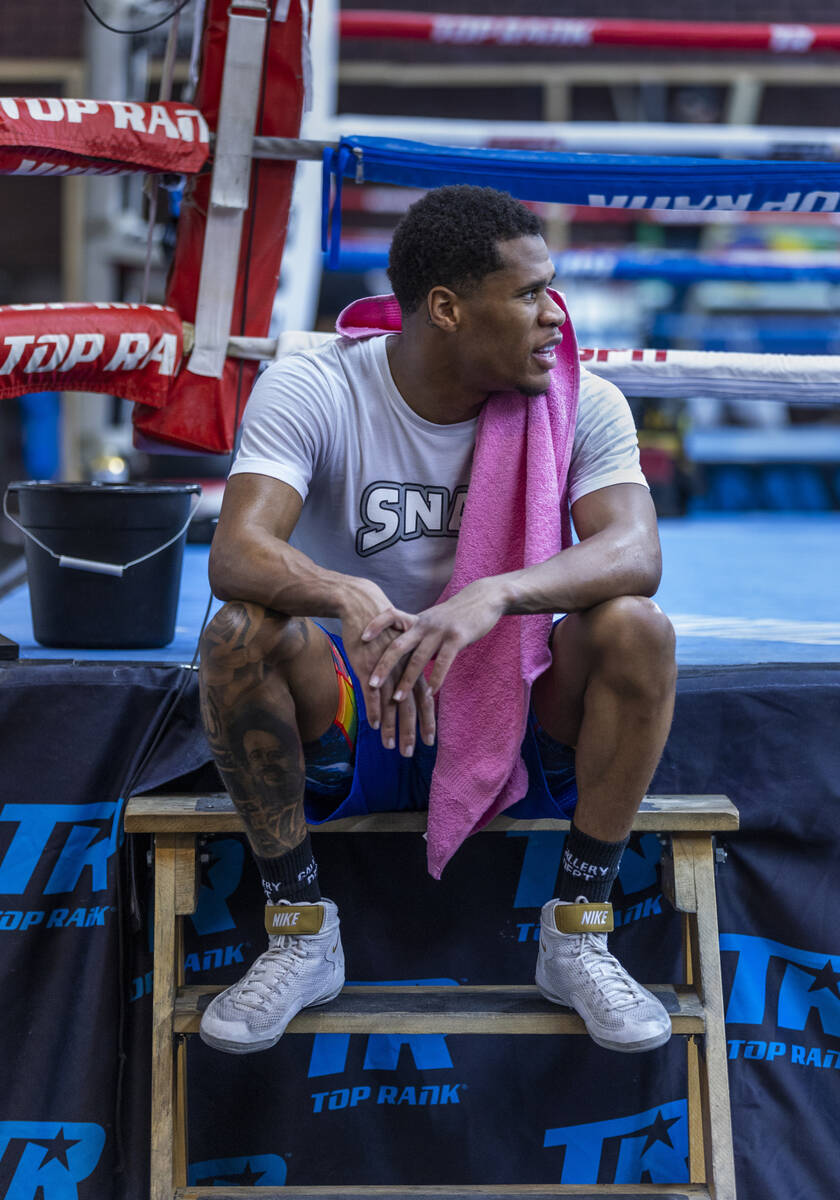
251	560
618	555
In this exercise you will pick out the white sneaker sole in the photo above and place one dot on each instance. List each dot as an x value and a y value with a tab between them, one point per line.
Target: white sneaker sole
251	1047
639	1047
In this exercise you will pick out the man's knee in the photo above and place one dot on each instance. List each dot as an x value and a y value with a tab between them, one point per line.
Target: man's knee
633	638
244	638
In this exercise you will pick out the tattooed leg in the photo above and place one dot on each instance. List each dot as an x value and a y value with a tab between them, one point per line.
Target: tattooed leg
267	683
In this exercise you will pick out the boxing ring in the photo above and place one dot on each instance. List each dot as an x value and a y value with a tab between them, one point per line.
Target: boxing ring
759	614
753	600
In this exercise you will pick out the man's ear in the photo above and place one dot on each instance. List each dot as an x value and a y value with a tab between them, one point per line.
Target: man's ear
443	309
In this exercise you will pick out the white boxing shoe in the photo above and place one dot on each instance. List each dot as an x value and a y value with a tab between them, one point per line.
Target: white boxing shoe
302	967
575	968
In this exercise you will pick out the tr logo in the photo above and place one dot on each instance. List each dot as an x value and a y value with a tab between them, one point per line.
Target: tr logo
258	1170
382	1053
45	1160
807	982
84	835
647	1147
330	1050
220	877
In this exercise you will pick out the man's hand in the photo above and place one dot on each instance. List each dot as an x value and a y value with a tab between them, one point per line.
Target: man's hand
438	633
364	605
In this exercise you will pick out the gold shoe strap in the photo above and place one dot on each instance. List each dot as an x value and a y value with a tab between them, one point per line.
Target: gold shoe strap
294	918
584	918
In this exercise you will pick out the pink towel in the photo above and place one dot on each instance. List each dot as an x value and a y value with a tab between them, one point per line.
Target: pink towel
516	515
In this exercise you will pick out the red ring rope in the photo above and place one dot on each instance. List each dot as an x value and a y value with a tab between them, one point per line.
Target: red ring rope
777	37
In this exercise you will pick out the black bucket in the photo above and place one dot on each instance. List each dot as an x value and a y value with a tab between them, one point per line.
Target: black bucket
82	541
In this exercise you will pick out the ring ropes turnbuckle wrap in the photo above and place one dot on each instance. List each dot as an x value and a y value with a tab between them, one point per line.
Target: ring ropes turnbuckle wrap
620	181
473	29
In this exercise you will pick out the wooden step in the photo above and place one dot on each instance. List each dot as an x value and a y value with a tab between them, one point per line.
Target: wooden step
215	813
413	1010
532	1191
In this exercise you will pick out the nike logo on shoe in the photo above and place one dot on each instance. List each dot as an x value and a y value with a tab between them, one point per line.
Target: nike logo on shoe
594	917
285	919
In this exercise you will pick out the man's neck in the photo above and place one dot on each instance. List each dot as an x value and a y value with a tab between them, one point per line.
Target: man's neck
428	382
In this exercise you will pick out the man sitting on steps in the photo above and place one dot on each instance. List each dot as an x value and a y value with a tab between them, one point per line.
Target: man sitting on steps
331	617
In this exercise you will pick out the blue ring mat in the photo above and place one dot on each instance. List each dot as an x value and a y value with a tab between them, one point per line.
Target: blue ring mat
740	589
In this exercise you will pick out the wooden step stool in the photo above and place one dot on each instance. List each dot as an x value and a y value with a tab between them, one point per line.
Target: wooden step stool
696	1007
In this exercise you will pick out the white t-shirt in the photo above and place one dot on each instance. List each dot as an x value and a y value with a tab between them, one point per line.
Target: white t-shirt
383	489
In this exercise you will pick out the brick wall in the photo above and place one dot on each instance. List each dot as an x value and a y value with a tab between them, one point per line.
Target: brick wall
41	28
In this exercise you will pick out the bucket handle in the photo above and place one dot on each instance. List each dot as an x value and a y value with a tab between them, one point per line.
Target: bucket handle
100	568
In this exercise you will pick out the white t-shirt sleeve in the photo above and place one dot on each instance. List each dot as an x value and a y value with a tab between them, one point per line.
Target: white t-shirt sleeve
286	430
606	449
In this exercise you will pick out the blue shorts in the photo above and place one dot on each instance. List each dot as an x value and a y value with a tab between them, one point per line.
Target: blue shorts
384	781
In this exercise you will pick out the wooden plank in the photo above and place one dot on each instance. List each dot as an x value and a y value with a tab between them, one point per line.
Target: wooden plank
713	1068
186	875
216	814
696	1148
678	874
163	1000
375	72
414	1010
531	1191
180	1118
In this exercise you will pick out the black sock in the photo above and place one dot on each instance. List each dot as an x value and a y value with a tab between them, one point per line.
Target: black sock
589	867
292	876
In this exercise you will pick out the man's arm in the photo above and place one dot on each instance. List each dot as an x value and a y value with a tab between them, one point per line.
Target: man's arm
618	555
251	559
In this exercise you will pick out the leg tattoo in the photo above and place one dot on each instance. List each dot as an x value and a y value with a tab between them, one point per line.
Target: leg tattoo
249	716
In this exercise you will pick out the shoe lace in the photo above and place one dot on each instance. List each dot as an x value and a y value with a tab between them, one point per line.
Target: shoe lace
258	988
618	988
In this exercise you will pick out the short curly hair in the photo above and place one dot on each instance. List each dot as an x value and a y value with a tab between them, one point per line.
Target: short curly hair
450	238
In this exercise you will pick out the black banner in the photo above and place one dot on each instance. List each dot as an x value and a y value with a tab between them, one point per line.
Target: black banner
334	1108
